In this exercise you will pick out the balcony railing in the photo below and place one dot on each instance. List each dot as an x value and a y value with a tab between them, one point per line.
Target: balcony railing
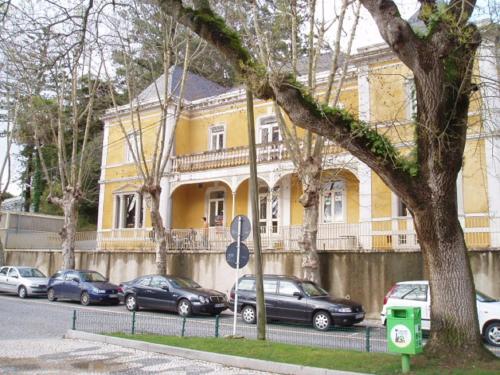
397	234
236	156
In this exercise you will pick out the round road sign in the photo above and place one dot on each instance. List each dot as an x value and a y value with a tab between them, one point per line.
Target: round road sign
232	253
245	227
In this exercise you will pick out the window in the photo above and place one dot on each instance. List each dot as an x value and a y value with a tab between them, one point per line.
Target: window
413	292
71	275
216	137
402	209
333	202
3	271
216	208
268	209
411	98
287	288
246	284
58	276
269	130
135	144
128	211
144	282
158	282
13	273
270	286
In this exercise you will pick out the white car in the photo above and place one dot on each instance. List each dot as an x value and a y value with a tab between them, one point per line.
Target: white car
417	294
23	281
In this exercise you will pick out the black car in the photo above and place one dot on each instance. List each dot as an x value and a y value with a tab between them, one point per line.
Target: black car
172	293
82	285
291	299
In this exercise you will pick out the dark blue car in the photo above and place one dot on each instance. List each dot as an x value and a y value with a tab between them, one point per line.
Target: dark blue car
84	286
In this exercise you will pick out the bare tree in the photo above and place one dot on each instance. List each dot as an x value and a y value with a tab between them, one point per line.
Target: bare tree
152	163
441	61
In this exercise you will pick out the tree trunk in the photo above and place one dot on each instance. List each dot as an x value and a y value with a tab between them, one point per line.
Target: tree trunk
310	174
453	303
159	230
68	232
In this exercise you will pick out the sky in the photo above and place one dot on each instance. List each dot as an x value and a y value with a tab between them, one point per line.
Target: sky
367	34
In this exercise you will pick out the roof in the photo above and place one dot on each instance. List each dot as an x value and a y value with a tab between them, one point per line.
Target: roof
196	87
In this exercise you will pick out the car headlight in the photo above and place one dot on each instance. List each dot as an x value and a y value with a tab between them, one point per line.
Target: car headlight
342	309
203	299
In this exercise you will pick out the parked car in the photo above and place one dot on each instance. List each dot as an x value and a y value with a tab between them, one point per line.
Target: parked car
417	294
291	299
82	285
23	281
172	293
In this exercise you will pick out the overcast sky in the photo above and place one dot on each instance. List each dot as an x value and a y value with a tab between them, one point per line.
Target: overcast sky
367	34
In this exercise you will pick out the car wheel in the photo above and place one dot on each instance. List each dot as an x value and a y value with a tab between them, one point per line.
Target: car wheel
184	307
22	292
51	295
131	303
85	299
322	321
248	314
492	334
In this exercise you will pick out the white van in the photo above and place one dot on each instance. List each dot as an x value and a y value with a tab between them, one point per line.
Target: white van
417	294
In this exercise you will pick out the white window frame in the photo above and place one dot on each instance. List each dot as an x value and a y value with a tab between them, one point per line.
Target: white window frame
343	190
269	208
220	131
269	125
119	215
128	153
208	200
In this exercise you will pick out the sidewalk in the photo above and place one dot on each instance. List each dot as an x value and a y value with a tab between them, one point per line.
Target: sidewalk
253	365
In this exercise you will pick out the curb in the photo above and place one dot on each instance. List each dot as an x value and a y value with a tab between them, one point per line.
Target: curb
223	359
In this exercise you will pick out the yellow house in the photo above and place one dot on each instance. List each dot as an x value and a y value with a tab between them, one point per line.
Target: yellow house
209	173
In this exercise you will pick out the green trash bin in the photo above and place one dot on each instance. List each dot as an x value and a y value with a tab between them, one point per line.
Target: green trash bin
404	333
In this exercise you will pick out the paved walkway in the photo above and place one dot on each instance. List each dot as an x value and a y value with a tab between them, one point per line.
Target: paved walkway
64	356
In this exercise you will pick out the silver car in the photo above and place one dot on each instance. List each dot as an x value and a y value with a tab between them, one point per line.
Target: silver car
23	281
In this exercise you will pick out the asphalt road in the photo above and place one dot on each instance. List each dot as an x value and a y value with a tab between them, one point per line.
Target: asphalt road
39	318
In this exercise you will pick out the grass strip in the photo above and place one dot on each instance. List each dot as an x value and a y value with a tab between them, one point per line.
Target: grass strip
373	363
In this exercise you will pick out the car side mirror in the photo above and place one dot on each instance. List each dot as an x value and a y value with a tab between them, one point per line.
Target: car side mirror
299	295
76	279
165	287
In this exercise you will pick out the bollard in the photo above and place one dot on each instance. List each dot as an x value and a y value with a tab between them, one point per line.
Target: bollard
183	326
367	338
133	322
217	321
74	320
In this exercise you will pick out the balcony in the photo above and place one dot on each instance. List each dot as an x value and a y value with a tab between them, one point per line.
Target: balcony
237	156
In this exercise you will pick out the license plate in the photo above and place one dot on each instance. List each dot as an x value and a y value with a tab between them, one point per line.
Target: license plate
220	305
358	316
113	295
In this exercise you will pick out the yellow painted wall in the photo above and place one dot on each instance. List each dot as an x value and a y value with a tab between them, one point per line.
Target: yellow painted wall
296	209
381	198
475	185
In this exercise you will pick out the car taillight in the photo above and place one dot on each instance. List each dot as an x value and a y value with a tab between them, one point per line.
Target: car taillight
120	289
389	294
231	295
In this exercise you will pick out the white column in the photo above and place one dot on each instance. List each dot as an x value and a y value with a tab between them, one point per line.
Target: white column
286	208
138	210
364	172
233	213
490	114
104	156
166	202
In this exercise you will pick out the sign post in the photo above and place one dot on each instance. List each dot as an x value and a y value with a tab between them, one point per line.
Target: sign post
237	254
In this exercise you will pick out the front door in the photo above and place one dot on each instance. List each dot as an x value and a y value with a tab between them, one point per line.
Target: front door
291	307
143	292
216	208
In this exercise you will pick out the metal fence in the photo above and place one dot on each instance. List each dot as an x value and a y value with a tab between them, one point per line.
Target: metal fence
359	338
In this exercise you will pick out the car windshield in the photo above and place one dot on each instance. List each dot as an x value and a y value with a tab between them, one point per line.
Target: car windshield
312	290
481	297
92	277
184	283
30	272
